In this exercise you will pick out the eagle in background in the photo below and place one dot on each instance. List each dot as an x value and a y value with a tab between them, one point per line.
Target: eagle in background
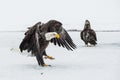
88	35
37	39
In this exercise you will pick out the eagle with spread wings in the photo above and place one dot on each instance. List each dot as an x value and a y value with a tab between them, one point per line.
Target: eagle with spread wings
37	39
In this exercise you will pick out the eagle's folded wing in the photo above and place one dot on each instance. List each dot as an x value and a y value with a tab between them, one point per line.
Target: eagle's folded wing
94	34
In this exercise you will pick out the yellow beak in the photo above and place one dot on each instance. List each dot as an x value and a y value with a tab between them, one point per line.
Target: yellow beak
57	36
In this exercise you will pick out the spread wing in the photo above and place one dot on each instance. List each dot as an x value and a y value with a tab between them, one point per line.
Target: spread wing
64	40
29	42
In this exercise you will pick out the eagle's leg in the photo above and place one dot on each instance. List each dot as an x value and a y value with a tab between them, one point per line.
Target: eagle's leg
47	56
40	60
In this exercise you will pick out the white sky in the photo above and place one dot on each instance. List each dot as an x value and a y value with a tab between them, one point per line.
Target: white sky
20	14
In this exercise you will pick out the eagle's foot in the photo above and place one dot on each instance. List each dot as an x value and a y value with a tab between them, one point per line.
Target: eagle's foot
49	57
46	65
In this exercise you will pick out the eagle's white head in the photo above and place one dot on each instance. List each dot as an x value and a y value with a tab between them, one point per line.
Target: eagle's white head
51	35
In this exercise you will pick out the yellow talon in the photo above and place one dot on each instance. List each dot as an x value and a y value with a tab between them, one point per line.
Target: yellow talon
45	65
49	57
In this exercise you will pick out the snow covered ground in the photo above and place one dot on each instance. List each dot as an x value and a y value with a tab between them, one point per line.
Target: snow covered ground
85	63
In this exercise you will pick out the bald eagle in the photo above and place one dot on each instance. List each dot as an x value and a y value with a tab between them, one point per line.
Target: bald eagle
88	35
38	37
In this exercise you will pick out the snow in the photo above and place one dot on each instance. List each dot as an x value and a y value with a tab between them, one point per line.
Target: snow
101	62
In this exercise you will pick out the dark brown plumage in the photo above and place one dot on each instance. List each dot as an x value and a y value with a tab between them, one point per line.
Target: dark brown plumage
88	35
35	40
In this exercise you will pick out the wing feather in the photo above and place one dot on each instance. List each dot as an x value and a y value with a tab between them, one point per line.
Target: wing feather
64	41
29	43
81	35
54	41
61	43
94	34
58	41
66	45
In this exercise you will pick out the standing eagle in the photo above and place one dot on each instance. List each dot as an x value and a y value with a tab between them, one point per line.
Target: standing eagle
88	35
38	37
